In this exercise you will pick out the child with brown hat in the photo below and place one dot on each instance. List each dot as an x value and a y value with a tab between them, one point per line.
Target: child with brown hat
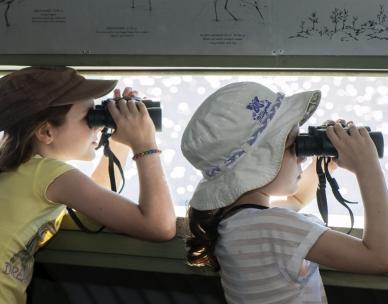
43	116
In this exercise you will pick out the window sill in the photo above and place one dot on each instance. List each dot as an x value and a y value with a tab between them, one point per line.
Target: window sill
112	250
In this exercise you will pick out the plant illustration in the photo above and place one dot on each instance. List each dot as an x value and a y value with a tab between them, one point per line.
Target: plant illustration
344	26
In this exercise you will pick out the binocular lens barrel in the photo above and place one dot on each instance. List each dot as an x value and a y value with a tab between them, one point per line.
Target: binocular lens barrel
309	145
100	116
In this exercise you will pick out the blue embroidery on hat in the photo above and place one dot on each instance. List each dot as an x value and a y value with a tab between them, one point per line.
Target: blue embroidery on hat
213	171
266	119
259	108
263	111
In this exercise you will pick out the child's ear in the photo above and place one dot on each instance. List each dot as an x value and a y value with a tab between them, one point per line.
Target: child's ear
45	133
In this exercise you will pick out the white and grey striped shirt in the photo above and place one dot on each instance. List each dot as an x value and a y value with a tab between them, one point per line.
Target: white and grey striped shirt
261	254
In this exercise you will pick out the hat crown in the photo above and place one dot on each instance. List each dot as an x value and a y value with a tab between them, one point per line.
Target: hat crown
38	82
33	89
225	122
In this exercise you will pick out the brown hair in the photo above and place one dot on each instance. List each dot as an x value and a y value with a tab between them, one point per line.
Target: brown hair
16	146
202	241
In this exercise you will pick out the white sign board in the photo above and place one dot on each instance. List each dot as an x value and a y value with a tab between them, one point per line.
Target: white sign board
194	27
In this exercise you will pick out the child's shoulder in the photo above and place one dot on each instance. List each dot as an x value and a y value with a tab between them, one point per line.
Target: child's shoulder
297	215
277	215
39	165
38	160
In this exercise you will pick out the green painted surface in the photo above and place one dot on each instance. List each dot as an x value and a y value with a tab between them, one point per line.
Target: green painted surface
111	250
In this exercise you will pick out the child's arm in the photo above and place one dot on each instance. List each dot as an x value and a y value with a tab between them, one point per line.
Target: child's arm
358	154
153	217
306	189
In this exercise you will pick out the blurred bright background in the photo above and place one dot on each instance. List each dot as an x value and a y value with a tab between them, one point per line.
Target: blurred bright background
363	99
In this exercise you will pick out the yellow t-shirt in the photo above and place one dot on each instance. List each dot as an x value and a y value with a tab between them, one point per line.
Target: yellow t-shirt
27	220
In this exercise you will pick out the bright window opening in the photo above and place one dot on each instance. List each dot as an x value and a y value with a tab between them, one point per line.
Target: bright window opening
363	99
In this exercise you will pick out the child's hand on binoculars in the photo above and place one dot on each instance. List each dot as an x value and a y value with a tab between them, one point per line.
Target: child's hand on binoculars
332	122
333	165
356	149
134	125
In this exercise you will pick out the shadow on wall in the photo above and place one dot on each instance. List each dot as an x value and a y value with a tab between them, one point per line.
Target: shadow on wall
64	284
68	284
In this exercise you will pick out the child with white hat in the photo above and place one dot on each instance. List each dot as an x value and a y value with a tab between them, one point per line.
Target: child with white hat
242	140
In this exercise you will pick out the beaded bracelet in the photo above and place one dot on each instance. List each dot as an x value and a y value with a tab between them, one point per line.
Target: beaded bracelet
148	152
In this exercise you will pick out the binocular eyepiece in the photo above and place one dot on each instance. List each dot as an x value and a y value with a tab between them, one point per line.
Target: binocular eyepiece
100	115
316	142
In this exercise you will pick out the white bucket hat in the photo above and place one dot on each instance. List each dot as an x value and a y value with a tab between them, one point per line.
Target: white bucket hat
237	137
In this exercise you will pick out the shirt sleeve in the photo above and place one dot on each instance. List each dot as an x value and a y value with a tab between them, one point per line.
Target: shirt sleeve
292	238
46	172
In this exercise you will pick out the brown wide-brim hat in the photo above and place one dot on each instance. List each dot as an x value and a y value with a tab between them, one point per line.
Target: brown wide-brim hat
31	90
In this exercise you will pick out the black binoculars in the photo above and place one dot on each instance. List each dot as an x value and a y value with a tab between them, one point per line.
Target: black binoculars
100	115
316	142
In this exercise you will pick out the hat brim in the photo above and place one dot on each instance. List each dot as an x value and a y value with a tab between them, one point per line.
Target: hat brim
262	163
86	89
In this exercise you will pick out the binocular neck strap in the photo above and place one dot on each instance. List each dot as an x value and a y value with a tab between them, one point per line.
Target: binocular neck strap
112	160
321	194
321	191
77	220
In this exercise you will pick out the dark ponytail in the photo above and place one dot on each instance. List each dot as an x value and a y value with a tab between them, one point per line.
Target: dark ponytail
202	241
